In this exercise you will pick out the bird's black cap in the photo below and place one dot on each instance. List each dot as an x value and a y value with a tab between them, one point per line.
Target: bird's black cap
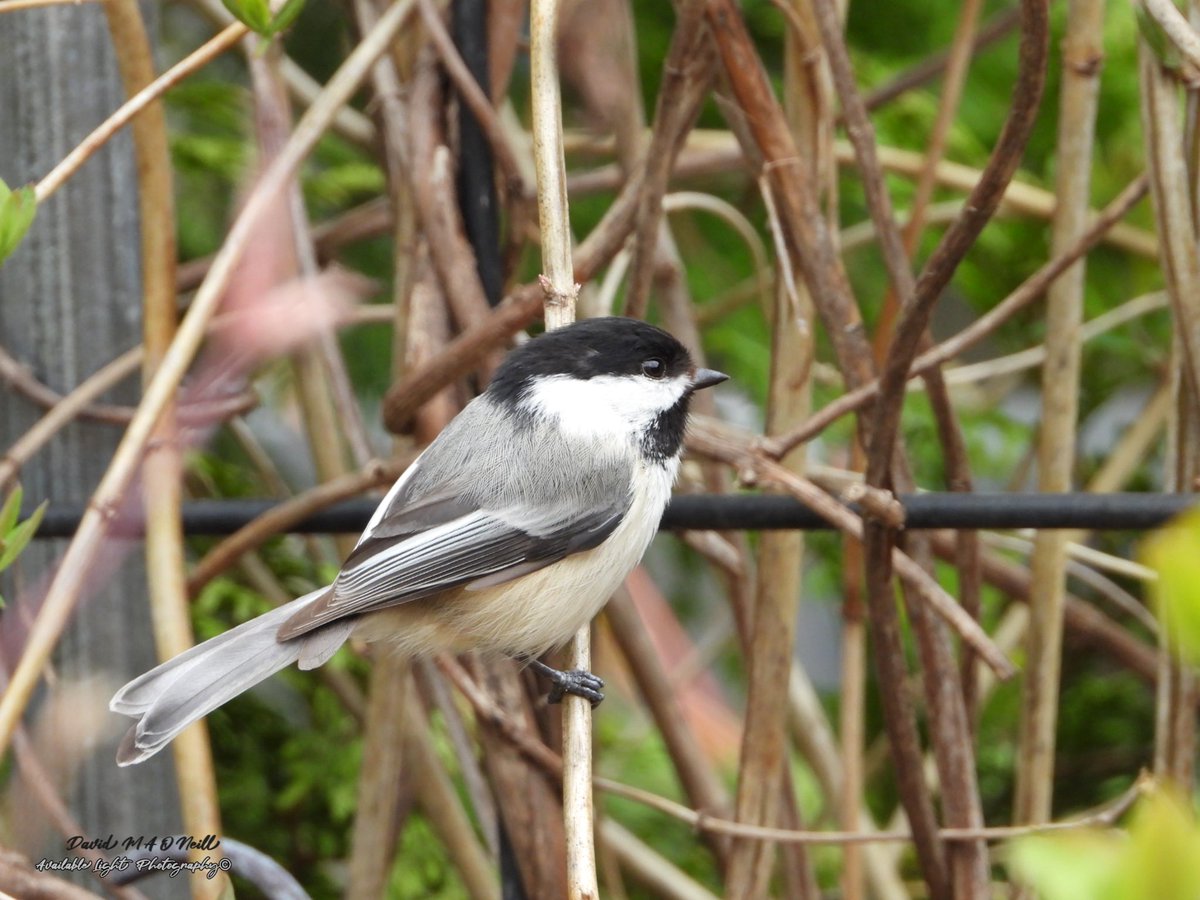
609	345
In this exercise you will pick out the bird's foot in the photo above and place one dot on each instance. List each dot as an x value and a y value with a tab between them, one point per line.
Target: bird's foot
577	682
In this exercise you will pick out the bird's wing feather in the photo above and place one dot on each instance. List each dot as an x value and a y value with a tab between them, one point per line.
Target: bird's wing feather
459	519
469	518
478	546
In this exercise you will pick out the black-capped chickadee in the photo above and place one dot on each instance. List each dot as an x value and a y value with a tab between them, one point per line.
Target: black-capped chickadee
507	535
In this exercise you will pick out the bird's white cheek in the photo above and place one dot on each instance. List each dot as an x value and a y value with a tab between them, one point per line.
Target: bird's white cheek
604	406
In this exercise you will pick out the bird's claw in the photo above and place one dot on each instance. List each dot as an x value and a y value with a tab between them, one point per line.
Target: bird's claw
577	682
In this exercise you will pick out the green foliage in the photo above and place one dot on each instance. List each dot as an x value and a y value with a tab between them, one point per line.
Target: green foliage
15	536
1174	554
17	209
423	869
257	16
1157	859
287	755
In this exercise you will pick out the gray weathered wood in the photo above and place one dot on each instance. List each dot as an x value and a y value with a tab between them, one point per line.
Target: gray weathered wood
69	302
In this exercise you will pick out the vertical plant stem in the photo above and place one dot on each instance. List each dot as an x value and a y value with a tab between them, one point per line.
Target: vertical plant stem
390	710
561	292
1172	191
558	276
373	844
804	103
532	825
968	871
162	469
806	233
439	801
764	751
851	730
814	737
1082	57
949	722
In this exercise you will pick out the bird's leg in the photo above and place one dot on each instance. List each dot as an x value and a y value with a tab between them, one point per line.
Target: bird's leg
579	682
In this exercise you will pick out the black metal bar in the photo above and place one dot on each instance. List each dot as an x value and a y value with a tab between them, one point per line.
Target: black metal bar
735	512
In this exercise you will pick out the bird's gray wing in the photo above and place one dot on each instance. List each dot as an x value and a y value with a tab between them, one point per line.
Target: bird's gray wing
441	531
478	549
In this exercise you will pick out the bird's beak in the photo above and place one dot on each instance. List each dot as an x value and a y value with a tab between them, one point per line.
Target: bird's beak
704	378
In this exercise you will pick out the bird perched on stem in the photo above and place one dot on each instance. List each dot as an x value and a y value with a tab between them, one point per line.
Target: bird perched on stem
506	535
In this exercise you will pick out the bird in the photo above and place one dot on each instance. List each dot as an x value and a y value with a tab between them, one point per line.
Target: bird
506	535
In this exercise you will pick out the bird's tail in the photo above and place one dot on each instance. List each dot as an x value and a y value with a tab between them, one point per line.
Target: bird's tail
175	694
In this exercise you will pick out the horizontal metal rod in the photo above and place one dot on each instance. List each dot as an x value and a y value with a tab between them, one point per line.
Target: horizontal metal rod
735	512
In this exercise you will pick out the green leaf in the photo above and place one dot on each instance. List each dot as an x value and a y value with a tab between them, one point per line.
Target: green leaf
1076	866
254	14
1174	553
9	512
17	209
285	17
1157	859
1162	859
18	538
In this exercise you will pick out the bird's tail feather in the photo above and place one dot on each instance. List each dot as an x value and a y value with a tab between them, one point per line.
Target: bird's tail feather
171	696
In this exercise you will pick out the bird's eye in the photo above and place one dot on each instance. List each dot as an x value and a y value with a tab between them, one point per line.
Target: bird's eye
654	368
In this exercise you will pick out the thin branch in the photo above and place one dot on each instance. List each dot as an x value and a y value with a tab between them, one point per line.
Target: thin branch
9	6
939	269
1177	28
697	776
431	179
40	433
162	468
1028	292
439	799
1105	817
992	31
537	752
561	293
710	153
739	449
1083	54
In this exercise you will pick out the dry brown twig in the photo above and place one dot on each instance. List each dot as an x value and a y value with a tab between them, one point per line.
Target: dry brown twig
1029	292
947	709
879	539
1173	182
281	518
1083	53
162	493
536	751
560	293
